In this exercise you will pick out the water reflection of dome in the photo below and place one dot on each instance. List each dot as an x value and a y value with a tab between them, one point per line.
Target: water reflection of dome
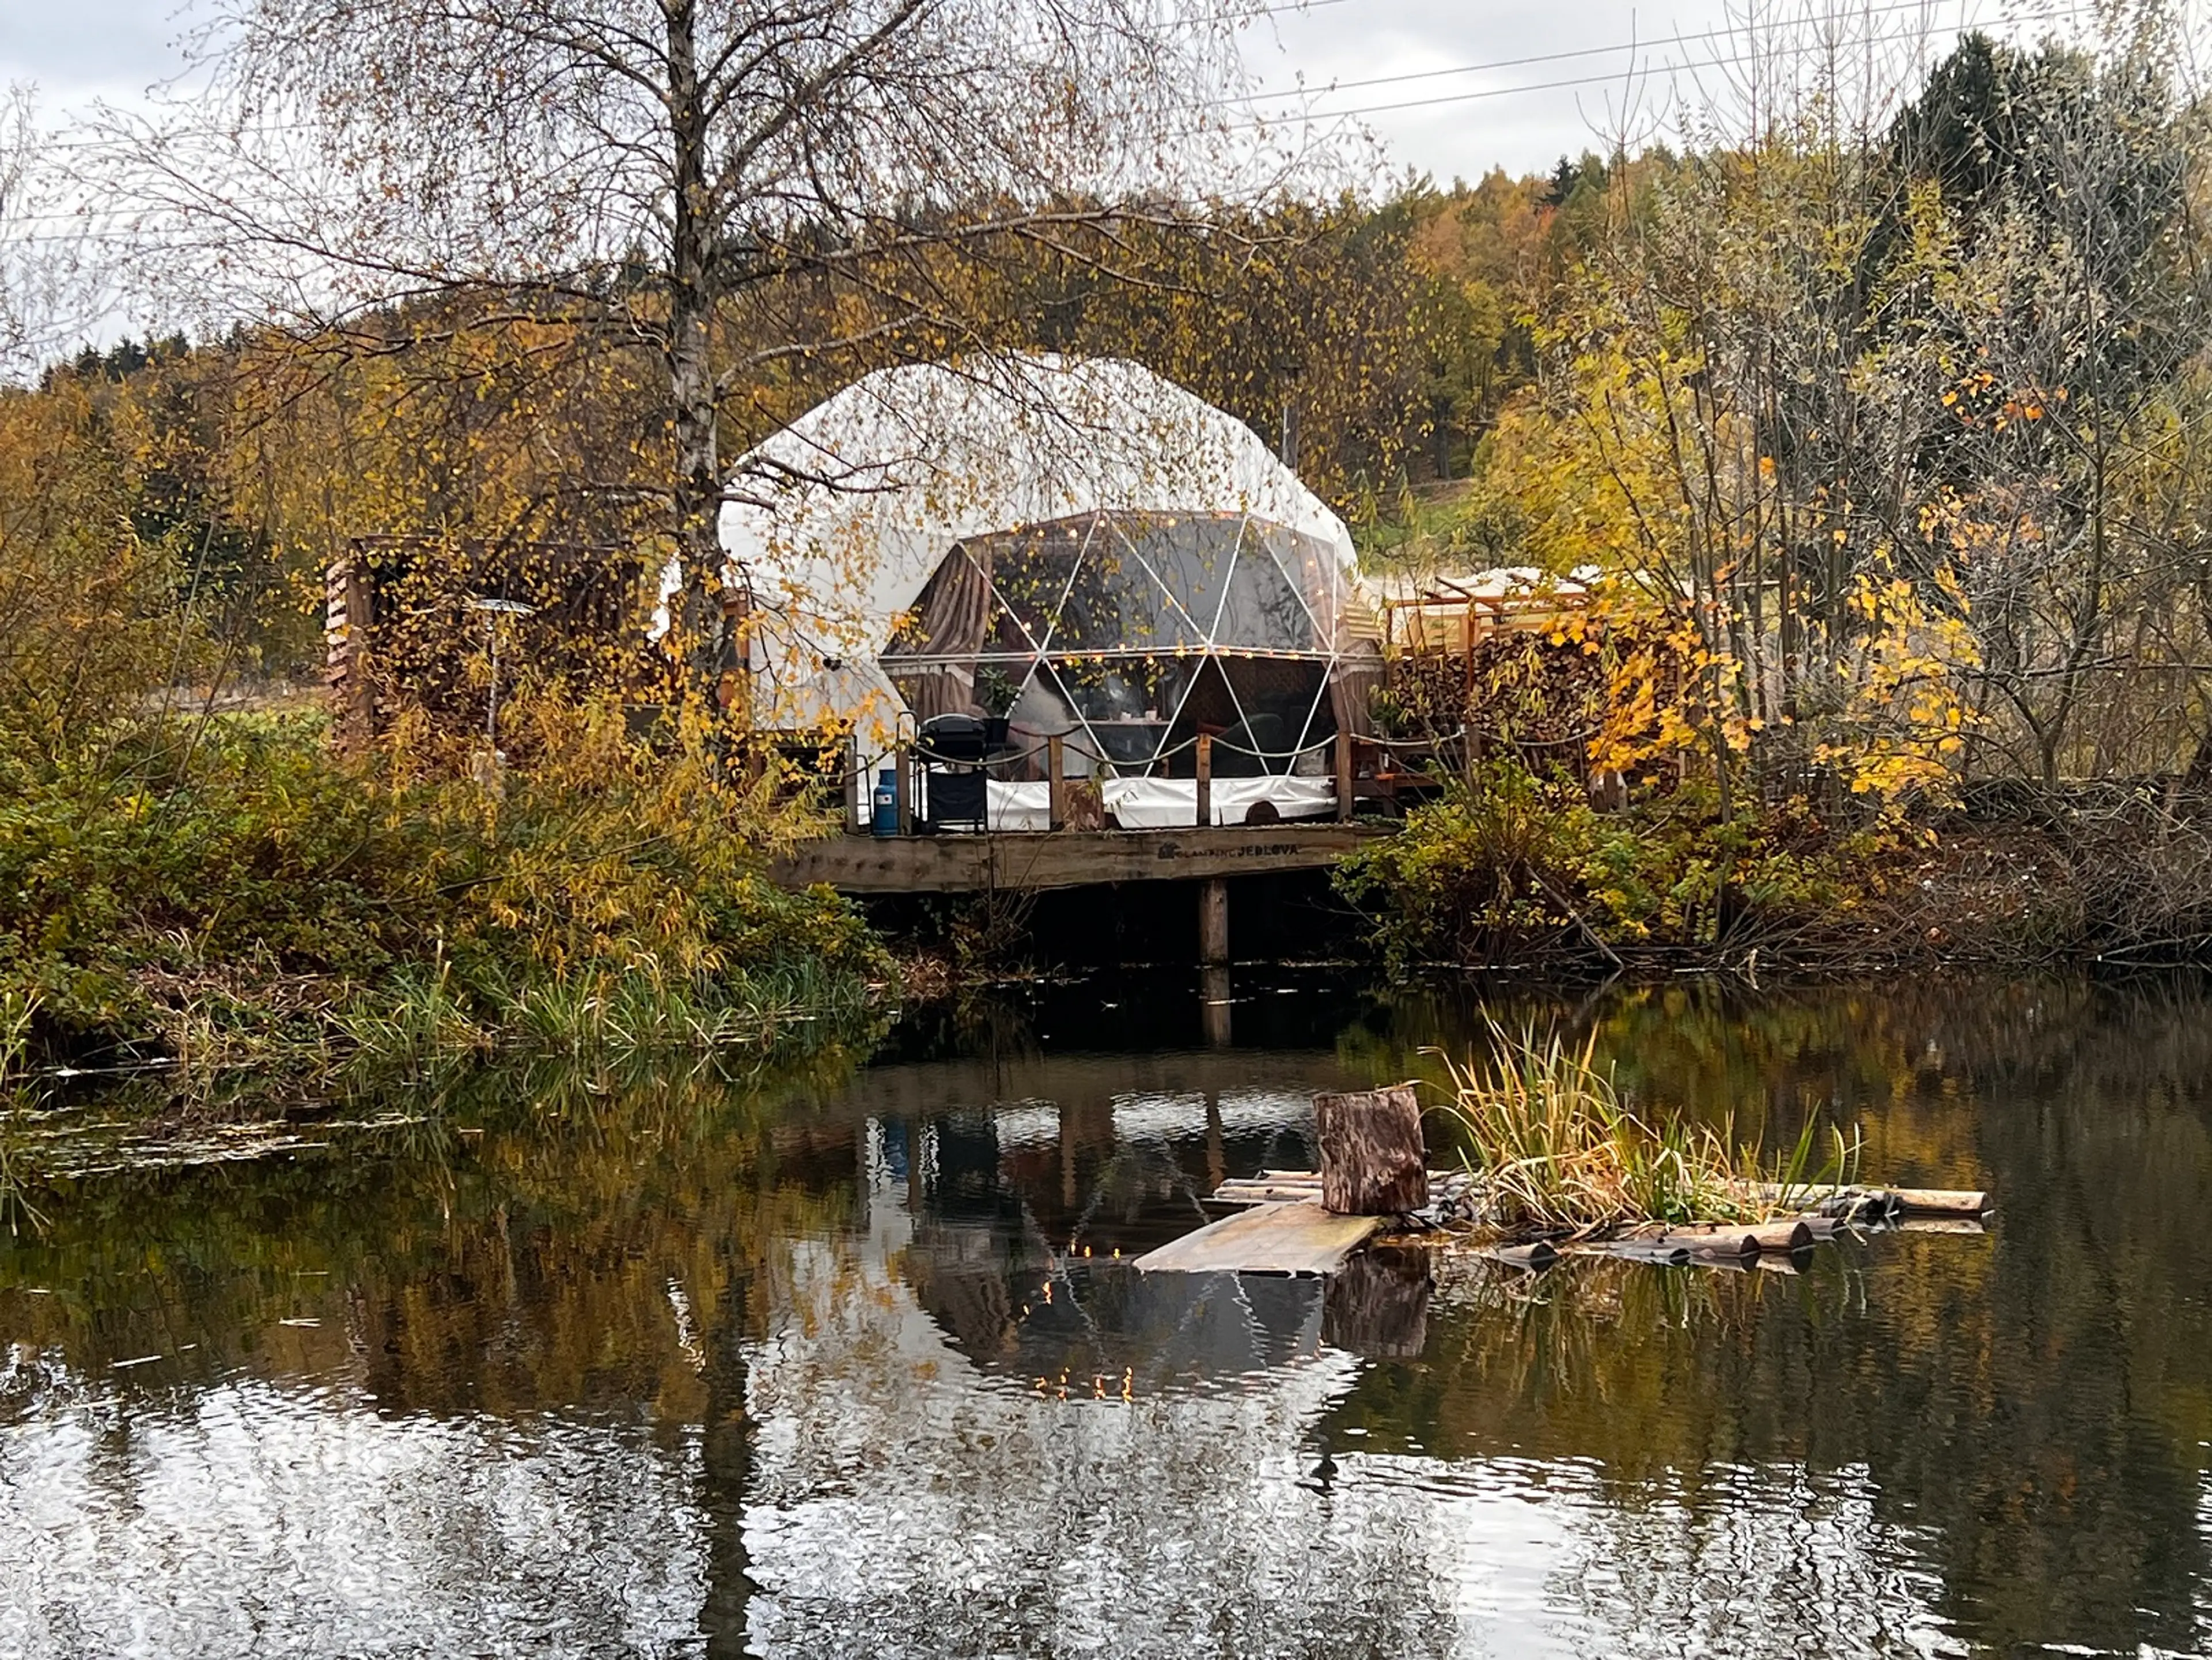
1103	1320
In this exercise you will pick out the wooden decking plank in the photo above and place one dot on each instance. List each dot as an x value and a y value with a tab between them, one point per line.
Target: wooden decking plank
1295	1237
1030	860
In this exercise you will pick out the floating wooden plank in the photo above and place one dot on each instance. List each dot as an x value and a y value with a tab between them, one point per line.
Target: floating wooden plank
1298	1238
1274	1186
1264	1193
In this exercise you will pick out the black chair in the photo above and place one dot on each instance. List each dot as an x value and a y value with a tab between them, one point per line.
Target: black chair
953	740
955	790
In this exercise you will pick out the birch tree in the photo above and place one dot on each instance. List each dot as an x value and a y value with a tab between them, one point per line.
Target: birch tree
40	273
740	190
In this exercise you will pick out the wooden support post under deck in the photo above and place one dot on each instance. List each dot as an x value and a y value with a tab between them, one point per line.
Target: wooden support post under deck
1343	775
1055	756
902	781
1213	922
1205	779
1214	1004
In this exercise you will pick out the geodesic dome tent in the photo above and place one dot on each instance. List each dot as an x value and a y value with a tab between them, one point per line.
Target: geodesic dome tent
1080	548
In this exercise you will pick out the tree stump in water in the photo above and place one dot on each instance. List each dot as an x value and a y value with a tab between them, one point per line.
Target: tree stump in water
1371	1159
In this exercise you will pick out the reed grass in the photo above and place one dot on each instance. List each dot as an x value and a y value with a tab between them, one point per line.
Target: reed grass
644	1010
1554	1150
17	1010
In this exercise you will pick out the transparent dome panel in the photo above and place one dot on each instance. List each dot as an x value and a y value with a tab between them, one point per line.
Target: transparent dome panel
1281	711
1192	556
1309	564
1130	633
1116	602
1029	571
1261	612
1127	705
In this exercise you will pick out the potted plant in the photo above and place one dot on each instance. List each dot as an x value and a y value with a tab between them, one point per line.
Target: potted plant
995	695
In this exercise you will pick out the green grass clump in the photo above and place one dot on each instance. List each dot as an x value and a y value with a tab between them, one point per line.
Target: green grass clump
1554	1150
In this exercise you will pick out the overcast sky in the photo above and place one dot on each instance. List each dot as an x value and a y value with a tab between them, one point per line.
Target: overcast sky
78	50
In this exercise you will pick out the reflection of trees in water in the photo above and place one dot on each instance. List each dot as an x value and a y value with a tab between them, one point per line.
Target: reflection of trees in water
251	1518
703	1340
595	1248
2035	1402
1803	1562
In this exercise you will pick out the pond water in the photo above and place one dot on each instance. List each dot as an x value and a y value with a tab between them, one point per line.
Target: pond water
851	1362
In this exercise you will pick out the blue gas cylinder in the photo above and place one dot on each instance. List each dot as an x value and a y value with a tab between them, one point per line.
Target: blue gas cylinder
884	820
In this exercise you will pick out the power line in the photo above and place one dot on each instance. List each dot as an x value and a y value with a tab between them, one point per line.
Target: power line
1647	68
1537	57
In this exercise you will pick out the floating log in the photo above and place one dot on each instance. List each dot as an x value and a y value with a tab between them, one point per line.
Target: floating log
1372	1158
1791	1233
1859	1201
1940	1201
1635	1250
1312	1178
1541	1255
1698	1239
1823	1203
1274	1238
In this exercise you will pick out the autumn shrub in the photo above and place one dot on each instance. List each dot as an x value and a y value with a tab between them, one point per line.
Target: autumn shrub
1512	868
231	890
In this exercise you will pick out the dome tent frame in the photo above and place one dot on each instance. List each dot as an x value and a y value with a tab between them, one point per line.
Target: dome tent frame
1101	521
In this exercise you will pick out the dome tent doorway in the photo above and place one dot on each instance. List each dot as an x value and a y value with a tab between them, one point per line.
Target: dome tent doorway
1080	548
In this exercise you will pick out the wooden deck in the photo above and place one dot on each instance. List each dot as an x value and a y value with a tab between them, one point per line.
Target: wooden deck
1270	1238
1031	861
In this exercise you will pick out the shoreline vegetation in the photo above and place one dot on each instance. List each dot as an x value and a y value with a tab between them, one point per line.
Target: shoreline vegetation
1511	871
248	898
233	893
